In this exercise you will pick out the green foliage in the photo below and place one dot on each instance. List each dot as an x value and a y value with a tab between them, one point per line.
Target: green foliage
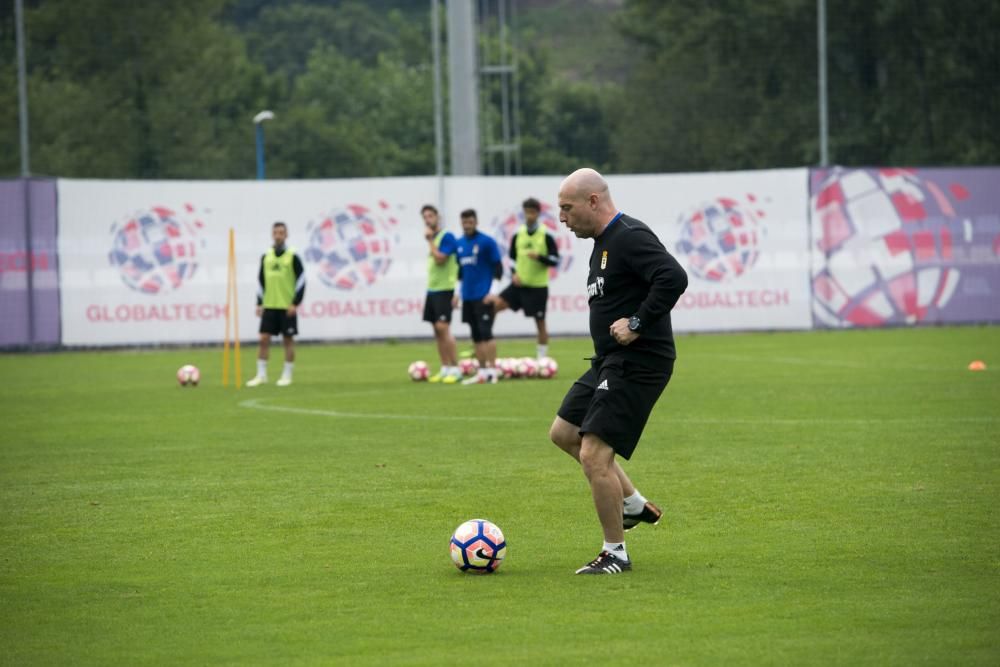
168	89
830	498
354	29
160	91
733	84
345	119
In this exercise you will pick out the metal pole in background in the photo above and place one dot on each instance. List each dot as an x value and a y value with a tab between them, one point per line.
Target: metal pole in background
438	119
824	148
258	122
22	99
463	73
22	88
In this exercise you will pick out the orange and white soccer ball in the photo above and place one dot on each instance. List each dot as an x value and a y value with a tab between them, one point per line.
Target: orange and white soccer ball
418	371
188	375
478	547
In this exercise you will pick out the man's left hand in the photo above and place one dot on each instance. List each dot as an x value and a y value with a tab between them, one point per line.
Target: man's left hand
291	310
621	333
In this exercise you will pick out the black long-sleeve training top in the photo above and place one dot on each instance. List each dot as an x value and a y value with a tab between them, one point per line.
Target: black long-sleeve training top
631	273
551	256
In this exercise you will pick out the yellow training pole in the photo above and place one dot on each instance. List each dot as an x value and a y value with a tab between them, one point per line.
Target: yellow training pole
236	310
225	343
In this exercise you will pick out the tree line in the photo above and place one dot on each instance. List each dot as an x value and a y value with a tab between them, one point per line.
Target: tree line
168	90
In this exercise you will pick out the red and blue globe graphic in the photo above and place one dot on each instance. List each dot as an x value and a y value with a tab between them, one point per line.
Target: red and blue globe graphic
156	250
883	243
720	239
505	227
352	246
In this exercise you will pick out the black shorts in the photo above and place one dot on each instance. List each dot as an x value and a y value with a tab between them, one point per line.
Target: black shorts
613	400
479	317
437	307
277	321
532	300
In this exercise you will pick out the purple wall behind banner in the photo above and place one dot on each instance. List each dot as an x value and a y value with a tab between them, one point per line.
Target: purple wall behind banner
905	246
40	204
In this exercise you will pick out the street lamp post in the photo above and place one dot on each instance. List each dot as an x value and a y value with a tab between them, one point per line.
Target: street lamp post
258	122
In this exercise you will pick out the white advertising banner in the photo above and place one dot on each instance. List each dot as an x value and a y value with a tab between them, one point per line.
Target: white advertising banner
743	238
145	262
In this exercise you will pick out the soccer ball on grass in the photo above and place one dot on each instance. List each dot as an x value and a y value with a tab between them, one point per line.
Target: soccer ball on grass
547	367
188	375
469	367
478	547
418	371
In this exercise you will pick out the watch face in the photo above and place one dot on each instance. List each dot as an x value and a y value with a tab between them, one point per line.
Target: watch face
633	323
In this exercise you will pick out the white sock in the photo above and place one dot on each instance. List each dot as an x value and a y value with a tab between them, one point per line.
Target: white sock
287	371
455	370
635	503
543	350
262	368
491	372
617	549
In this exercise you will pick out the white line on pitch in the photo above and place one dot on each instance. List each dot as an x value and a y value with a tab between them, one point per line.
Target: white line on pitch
255	404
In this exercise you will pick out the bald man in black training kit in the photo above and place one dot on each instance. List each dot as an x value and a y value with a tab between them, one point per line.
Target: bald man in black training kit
632	286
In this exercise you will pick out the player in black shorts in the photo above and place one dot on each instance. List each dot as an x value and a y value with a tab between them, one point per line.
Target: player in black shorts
281	287
533	251
632	285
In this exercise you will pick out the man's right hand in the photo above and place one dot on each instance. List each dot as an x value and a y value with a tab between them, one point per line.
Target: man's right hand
260	311
516	280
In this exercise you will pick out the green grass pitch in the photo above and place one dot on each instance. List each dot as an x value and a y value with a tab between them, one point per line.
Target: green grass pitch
830	498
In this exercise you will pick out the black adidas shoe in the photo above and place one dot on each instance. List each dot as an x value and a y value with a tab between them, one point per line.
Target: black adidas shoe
649	514
606	563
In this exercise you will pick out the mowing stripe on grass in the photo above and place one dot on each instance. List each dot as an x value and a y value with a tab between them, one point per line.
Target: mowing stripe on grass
256	404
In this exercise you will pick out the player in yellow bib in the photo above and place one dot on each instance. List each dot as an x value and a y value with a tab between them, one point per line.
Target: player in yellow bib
442	275
282	284
533	250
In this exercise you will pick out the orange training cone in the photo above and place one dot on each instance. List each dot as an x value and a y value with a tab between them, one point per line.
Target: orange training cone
977	366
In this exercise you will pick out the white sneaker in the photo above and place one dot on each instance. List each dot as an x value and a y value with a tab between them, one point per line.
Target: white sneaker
475	379
257	381
283	381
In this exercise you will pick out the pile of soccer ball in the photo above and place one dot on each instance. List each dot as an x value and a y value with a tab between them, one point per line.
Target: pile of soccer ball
512	368
188	375
508	368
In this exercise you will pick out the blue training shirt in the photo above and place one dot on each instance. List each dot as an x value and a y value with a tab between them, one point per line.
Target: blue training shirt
447	245
477	258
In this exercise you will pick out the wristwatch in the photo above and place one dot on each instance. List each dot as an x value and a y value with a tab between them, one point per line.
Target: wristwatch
634	324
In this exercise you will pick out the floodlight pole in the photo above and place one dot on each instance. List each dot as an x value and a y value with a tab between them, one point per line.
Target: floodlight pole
22	114
438	107
824	147
258	122
22	88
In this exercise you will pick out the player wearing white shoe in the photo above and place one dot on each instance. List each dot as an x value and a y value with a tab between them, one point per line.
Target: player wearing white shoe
533	251
281	287
632	285
479	264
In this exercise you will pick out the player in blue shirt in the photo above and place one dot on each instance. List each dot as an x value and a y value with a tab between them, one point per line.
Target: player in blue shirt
478	265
